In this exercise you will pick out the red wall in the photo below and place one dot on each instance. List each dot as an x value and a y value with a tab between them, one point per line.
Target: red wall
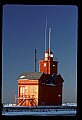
49	68
42	68
53	69
48	95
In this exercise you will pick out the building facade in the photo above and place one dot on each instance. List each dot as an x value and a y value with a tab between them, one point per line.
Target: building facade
43	87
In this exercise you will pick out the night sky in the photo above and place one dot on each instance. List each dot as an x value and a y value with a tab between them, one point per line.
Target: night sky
23	31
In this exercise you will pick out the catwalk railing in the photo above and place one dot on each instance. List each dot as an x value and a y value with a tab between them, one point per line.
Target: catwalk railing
38	108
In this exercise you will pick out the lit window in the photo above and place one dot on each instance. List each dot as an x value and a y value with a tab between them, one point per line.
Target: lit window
21	89
59	95
51	55
44	64
46	54
53	65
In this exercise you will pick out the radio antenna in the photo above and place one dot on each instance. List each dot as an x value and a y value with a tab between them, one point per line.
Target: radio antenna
49	39
45	32
35	60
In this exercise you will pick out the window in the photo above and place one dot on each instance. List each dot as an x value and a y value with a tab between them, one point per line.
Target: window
58	82
43	80
59	95
51	55
22	90
53	65
44	64
46	54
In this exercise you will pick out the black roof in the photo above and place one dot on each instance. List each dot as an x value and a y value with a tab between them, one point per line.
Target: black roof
30	75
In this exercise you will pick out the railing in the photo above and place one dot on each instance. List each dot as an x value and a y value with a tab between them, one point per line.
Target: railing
38	108
30	98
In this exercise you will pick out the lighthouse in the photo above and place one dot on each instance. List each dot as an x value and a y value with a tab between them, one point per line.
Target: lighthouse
42	88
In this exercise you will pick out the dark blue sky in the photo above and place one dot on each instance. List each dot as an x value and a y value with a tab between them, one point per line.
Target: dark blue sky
23	30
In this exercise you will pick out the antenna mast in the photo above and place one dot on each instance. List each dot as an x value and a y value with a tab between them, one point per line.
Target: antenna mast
49	39
35	60
45	32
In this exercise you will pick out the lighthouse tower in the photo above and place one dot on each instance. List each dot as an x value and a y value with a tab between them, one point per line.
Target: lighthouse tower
48	65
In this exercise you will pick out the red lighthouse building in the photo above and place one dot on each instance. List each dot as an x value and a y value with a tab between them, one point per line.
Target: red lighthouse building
43	87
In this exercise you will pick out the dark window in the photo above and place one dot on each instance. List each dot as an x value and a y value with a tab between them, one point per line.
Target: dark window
48	81
43	80
58	82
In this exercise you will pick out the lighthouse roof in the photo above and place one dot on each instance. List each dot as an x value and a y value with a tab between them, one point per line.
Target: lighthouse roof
30	75
48	52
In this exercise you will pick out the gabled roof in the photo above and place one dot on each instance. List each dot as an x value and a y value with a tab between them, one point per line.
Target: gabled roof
54	77
30	75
